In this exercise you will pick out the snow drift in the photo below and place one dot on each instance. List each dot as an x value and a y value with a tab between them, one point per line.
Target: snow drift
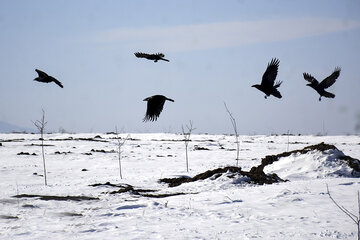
316	161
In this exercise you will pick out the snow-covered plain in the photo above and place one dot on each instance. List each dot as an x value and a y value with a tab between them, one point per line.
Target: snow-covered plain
221	208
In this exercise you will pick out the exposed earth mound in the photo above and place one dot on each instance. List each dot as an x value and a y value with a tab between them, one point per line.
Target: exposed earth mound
315	161
258	177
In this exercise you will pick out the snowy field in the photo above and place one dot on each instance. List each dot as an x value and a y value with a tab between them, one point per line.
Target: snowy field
221	207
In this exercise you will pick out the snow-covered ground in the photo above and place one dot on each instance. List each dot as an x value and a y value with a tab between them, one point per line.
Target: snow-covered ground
221	208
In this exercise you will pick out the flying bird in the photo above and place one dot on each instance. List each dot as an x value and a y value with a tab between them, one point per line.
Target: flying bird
43	77
327	82
155	105
156	57
267	84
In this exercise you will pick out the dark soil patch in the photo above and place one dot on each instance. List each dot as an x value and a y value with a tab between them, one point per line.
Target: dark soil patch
160	156
256	177
8	217
126	188
164	195
29	206
39	145
196	147
71	214
56	198
102	151
183	140
94	139
296	142
58	152
122	188
352	162
127	139
230	149
13	140
26	153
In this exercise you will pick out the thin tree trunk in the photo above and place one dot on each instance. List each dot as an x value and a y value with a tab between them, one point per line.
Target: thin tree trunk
43	156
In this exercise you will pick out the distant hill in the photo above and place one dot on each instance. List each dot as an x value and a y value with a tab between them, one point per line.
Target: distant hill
10	128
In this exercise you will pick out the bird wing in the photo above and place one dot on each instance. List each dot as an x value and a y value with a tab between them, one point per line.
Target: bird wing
57	82
278	83
310	78
41	73
330	80
270	74
141	55
154	107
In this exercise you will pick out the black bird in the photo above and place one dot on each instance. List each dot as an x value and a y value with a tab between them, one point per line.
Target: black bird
43	77
267	84
327	82
155	105
156	57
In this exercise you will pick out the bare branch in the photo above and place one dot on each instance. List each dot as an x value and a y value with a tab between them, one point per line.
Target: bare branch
40	125
120	143
232	119
343	209
233	122
187	135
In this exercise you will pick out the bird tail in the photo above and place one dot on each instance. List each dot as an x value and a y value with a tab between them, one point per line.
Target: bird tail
328	94
276	93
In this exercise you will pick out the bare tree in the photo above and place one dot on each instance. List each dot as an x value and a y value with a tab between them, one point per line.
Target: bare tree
353	217
187	135
40	125
120	143
237	141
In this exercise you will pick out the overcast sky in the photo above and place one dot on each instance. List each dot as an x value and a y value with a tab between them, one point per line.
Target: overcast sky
217	50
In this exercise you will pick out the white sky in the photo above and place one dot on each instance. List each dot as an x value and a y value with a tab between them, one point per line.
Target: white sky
217	50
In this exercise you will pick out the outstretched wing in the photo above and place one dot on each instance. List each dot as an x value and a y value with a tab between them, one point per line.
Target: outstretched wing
270	74
57	82
330	80
160	55
141	55
154	107
278	83
310	79
41	73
